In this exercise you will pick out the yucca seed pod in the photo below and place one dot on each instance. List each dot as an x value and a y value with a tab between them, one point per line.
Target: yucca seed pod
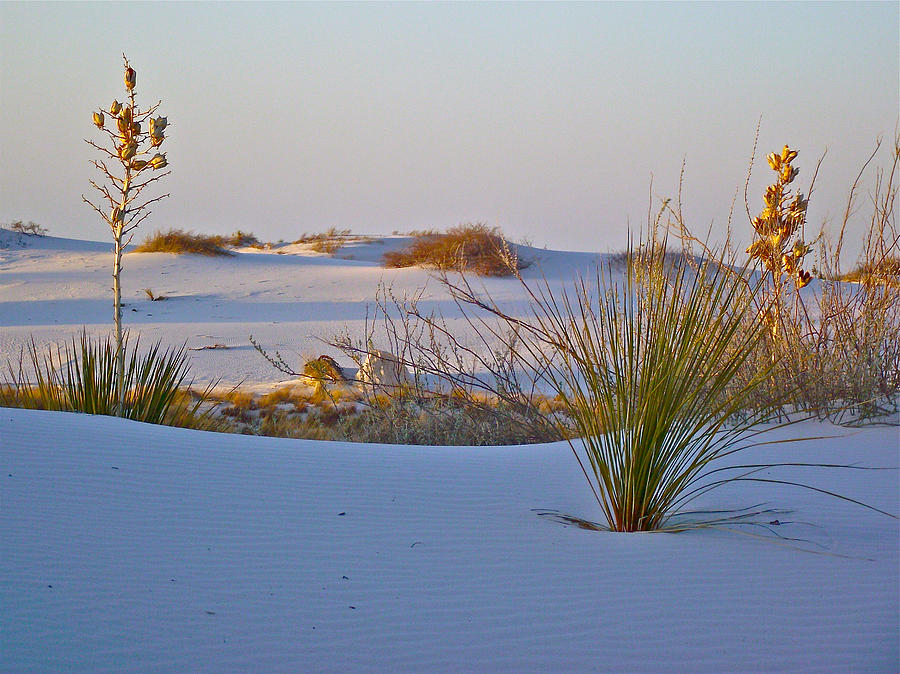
774	161
126	114
798	204
135	128
127	151
130	78
777	238
788	263
159	161
138	164
157	140
803	278
114	108
122	126
161	123
98	119
756	248
788	173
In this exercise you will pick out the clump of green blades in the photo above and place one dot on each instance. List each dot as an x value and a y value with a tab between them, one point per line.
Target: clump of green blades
649	377
82	377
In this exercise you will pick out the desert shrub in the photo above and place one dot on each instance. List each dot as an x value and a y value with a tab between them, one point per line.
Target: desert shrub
82	377
30	228
180	242
474	248
326	246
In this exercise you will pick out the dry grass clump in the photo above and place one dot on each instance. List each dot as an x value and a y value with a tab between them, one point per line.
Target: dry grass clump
313	426
180	242
474	248
431	420
277	397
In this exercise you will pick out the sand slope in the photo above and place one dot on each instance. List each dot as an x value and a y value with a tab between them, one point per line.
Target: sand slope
128	547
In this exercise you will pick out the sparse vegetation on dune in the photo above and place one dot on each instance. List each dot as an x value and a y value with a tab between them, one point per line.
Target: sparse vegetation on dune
474	248
332	240
330	235
886	270
29	228
238	239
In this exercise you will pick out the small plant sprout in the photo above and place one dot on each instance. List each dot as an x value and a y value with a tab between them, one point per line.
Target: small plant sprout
779	244
130	163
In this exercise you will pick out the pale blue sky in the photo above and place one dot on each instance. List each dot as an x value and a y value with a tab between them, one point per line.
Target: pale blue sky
547	119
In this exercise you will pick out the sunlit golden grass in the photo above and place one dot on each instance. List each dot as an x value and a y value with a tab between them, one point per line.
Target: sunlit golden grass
474	248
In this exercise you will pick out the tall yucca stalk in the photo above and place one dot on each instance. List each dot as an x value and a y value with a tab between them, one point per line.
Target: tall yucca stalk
131	163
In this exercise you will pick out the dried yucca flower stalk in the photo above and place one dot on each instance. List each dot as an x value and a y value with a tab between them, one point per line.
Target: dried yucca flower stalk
130	163
779	244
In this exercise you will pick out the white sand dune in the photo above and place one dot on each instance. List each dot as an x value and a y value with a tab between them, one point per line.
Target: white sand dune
129	547
52	288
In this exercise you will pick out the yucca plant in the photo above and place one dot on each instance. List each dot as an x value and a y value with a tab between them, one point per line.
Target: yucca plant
84	377
646	373
131	163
